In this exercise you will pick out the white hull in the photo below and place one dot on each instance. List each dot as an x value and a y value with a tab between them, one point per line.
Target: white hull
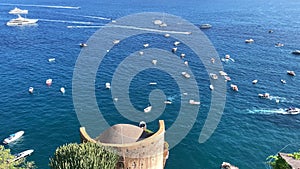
18	11
148	109
13	137
20	21
23	154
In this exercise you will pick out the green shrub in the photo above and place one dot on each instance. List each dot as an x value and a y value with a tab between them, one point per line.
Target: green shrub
83	156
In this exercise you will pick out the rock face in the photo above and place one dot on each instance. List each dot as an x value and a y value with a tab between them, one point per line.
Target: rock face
226	165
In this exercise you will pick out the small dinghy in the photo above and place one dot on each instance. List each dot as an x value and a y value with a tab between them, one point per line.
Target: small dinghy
13	137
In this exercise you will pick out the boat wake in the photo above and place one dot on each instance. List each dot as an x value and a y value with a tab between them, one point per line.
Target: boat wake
88	16
85	27
62	21
43	6
134	28
267	111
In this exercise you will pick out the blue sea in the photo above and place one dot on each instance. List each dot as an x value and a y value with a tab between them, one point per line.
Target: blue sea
251	128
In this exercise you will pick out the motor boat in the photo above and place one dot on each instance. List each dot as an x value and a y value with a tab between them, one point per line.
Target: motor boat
51	59
83	45
292	73
205	26
194	102
22	155
283	81
186	63
62	90
265	95
249	41
116	41
296	52
292	110
211	87
213	76
254	81
185	74
154	61
30	90
152	83
167	35
107	85
176	43
279	44
13	137
18	11
148	109
234	87
20	21
174	50
143	125
146	45
227	78
168	102
49	82
222	73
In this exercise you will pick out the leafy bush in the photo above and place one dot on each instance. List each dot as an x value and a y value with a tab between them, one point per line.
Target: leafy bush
83	156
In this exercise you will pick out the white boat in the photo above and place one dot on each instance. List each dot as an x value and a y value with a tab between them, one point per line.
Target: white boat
51	59
265	95
174	50
292	110
20	21
143	125
211	87
49	82
213	76
254	81
18	11
154	61
157	22
205	26
234	87
290	72
23	154
194	102
13	137
182	55
146	45
141	53
279	44
30	90
296	52
116	41
249	41
167	35
176	43
62	90
148	109
107	85
227	78
283	81
222	73
186	63
152	83
168	102
83	45
185	74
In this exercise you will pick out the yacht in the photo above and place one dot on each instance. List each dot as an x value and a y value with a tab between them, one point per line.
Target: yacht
18	11
20	21
205	26
23	154
185	74
292	110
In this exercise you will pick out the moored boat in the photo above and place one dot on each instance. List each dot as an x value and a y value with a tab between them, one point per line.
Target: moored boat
290	72
296	52
254	81
148	109
205	26
194	102
185	74
13	137
107	85
83	45
234	87
249	41
265	95
62	90
22	155
30	90
49	82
